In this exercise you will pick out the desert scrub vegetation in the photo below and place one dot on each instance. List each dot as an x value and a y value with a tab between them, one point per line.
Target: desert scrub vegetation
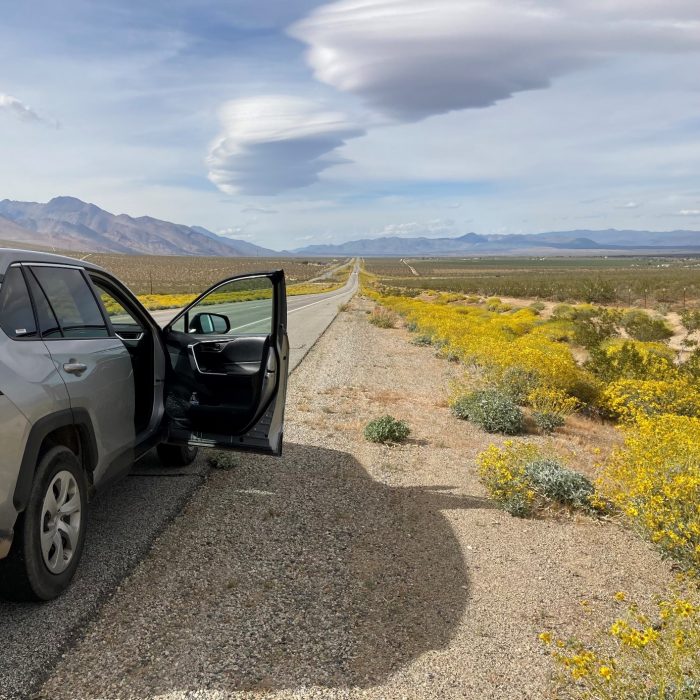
175	274
491	409
640	656
551	407
629	282
524	481
386	429
224	461
383	318
654	479
640	326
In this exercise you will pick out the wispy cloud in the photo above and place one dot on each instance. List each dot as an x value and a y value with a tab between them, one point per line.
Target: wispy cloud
18	108
259	210
689	212
238	232
434	228
273	143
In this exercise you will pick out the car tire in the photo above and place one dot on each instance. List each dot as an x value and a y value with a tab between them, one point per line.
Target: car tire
50	533
176	455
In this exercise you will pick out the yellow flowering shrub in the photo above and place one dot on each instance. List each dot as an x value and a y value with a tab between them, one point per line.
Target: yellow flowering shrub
495	341
502	471
654	478
153	302
633	359
652	659
550	400
629	399
550	407
523	480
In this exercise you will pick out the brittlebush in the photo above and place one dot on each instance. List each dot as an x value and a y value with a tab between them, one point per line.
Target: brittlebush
502	471
654	478
494	341
629	399
653	659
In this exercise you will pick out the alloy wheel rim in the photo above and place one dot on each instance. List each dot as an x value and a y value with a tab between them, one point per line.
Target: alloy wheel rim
60	522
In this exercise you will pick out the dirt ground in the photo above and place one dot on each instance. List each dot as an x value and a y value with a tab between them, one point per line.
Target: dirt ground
352	570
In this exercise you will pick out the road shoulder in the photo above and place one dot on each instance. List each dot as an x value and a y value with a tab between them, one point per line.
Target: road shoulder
346	569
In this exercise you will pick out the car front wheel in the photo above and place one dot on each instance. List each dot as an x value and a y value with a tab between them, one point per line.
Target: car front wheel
50	533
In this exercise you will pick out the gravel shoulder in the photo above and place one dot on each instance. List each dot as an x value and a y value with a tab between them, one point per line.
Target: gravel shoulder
351	570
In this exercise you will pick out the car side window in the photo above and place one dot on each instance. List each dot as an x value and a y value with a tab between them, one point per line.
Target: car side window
120	316
16	314
48	324
72	301
239	307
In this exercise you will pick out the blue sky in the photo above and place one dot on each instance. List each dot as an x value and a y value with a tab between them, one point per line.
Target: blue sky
304	121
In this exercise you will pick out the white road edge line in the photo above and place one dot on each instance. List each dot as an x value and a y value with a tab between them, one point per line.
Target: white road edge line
299	308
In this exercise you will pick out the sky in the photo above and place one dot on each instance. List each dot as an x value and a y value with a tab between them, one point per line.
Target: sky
290	122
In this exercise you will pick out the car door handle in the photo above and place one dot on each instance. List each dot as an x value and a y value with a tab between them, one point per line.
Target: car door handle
74	367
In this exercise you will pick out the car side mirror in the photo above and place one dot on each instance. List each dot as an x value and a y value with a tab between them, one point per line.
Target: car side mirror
210	324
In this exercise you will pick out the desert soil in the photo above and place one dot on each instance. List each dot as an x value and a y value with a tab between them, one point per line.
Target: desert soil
352	570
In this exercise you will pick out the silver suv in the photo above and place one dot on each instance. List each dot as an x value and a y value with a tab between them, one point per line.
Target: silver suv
89	383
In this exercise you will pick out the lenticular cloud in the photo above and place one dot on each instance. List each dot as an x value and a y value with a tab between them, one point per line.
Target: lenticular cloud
414	58
273	143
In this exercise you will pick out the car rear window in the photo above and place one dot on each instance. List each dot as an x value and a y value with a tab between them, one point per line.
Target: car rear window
48	324
72	301
16	314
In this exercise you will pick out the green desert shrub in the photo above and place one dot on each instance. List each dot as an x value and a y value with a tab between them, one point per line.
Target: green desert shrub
491	409
592	329
564	312
518	383
386	429
422	339
641	326
225	461
555	482
523	480
548	421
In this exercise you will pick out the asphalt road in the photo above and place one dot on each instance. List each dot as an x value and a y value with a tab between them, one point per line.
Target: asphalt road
307	316
122	525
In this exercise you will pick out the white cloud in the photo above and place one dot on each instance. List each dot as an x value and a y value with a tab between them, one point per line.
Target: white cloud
435	228
689	212
273	143
18	108
414	58
631	205
237	232
259	210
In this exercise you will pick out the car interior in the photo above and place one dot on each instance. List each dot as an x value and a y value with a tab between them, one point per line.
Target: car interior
137	337
219	384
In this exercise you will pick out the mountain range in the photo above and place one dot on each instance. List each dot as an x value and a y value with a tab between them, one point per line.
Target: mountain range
552	243
70	224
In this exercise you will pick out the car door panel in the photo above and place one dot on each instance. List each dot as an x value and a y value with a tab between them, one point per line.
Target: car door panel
228	389
94	365
105	389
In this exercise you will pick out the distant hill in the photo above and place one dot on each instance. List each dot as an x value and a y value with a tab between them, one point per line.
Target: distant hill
555	242
71	224
67	223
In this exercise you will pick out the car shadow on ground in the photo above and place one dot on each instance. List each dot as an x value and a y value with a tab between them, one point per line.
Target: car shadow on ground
122	525
308	573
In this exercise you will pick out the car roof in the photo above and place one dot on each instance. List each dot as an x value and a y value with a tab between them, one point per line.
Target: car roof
15	255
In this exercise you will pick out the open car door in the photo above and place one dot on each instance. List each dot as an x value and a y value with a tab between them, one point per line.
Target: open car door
228	355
